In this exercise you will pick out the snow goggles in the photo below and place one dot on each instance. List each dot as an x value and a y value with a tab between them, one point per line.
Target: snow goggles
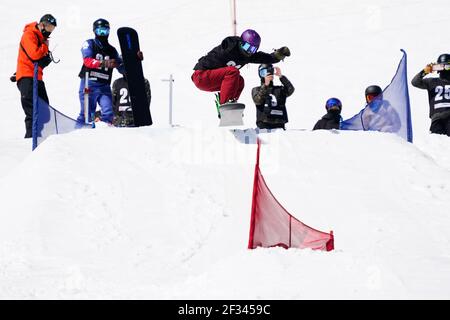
247	47
102	31
333	102
265	72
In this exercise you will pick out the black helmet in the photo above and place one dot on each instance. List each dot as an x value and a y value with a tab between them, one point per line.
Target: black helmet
100	23
373	90
265	69
48	18
443	58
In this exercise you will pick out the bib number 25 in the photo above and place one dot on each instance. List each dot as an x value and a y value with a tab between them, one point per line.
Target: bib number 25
442	93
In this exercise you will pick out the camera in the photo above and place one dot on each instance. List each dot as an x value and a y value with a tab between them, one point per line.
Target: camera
440	67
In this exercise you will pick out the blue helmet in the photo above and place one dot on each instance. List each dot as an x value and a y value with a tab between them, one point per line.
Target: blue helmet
333	102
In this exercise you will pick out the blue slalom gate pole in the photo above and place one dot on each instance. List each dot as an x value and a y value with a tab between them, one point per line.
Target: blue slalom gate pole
408	103
35	107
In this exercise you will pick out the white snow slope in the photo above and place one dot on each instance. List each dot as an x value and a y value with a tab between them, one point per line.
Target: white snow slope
163	212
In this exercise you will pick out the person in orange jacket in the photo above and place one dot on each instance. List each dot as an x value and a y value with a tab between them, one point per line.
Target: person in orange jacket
33	48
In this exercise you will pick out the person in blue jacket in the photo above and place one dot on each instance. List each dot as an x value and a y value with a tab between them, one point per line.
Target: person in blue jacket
99	60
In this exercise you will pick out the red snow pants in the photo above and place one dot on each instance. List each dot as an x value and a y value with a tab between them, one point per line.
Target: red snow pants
227	80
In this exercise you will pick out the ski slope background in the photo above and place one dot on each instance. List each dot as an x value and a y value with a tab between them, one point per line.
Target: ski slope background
164	212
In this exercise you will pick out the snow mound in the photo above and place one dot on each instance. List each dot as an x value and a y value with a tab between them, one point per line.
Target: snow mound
164	213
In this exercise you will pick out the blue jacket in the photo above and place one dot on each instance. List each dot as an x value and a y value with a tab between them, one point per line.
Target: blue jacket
94	52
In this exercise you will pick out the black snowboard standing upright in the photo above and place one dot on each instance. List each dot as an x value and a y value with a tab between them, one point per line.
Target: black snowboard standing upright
129	45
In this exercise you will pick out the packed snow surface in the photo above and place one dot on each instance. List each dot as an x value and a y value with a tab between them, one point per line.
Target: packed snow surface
163	212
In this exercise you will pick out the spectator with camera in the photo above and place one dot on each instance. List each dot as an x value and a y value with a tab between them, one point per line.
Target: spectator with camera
270	100
33	49
438	93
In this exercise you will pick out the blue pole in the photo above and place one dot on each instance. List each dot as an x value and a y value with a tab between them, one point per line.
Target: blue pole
408	103
35	106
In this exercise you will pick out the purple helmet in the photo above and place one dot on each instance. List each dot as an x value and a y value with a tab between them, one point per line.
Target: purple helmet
250	41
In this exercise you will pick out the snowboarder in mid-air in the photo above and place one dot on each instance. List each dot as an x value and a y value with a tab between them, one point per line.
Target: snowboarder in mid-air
99	60
438	93
219	69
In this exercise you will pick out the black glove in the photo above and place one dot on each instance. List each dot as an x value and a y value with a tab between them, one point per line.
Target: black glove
282	53
13	78
45	61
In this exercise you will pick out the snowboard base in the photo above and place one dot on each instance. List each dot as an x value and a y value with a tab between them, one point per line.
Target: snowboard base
231	114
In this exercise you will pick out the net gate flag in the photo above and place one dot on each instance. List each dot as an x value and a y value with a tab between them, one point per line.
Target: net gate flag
47	120
391	112
271	225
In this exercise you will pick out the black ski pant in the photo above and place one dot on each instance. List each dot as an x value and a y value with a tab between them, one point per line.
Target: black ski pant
441	126
25	86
